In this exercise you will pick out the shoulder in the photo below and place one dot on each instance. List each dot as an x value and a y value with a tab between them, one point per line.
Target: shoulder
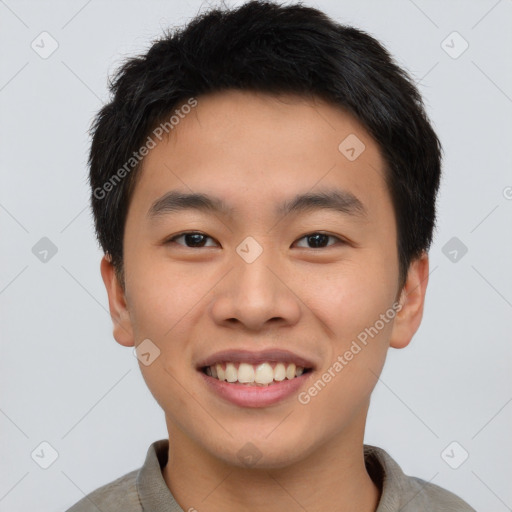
407	493
120	495
423	495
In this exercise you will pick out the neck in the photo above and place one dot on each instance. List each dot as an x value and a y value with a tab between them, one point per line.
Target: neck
332	477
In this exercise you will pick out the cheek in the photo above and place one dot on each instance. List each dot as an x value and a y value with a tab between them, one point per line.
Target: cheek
356	357
160	296
353	298
351	303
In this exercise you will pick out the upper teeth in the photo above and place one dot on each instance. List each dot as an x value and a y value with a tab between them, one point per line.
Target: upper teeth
262	373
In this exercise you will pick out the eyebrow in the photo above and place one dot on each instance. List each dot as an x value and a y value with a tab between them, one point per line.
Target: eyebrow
341	201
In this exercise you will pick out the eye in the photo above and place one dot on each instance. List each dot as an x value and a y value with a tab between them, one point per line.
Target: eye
191	239
194	239
319	240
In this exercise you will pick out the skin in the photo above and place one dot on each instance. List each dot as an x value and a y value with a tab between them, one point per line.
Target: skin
254	150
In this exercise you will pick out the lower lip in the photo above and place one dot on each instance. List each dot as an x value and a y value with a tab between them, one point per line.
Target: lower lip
245	395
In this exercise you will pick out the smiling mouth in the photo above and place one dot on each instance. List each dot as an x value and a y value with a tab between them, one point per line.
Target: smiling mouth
264	374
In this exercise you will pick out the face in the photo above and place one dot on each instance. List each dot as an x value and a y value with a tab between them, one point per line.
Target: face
287	262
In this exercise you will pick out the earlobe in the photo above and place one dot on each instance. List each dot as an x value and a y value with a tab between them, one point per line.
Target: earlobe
412	300
122	329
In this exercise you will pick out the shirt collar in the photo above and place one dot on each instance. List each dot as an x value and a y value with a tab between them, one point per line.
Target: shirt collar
156	496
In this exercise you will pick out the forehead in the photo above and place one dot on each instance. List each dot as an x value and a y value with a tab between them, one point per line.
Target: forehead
249	149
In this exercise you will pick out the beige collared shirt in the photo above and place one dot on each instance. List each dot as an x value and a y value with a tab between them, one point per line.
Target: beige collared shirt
145	490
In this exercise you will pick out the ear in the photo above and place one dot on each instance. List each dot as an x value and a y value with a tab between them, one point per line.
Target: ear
123	332
412	299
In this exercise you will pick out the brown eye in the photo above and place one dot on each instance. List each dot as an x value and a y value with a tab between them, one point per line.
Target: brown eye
191	239
318	240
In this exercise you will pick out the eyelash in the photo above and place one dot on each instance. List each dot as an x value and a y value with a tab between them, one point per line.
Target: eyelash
175	237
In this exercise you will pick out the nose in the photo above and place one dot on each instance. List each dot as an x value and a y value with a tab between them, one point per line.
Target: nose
257	294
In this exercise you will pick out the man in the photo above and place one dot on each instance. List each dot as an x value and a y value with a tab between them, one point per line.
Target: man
264	185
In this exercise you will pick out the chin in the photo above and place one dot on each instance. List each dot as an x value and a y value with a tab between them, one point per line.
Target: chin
259	452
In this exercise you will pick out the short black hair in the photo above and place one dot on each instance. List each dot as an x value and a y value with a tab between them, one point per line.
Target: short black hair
262	46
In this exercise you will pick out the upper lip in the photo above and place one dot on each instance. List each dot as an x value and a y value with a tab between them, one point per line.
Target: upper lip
256	357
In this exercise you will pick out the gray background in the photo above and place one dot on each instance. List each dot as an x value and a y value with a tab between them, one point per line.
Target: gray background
66	382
